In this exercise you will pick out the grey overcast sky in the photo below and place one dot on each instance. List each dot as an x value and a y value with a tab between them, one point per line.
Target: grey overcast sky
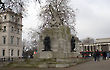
92	18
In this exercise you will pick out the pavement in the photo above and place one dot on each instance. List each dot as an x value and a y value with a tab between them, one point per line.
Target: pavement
92	65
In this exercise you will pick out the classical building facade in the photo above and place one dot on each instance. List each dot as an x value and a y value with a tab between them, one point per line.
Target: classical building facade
10	34
102	44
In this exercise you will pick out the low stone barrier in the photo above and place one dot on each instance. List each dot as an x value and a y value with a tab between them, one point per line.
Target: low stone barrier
46	63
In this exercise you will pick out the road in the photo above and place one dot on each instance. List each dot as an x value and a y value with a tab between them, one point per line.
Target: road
102	65
92	65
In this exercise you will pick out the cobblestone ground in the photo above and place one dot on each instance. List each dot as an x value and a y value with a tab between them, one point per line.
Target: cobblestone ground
92	65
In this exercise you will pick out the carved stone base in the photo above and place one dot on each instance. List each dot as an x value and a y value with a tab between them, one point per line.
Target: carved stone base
46	55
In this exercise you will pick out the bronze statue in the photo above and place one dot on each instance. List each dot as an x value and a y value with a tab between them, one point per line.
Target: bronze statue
72	44
46	42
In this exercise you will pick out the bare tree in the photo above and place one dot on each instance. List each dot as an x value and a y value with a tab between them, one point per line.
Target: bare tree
57	13
17	6
88	40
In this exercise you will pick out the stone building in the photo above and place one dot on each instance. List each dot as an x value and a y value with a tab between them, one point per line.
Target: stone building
104	43
10	34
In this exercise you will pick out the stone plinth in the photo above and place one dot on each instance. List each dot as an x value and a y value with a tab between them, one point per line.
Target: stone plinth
46	55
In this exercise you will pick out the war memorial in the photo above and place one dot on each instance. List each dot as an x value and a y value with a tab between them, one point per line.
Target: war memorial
56	42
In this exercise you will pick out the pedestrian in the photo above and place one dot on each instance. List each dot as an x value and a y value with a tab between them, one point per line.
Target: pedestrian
98	55
94	56
108	54
104	55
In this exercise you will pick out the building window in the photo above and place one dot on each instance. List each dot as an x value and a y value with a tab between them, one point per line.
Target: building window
3	52
5	17
12	29
17	31
4	29
18	52
12	52
18	40
12	38
4	39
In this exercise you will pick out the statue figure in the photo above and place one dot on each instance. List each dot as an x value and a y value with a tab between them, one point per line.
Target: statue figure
72	44
56	20
46	42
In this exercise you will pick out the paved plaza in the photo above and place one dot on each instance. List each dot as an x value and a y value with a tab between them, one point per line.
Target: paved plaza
92	65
